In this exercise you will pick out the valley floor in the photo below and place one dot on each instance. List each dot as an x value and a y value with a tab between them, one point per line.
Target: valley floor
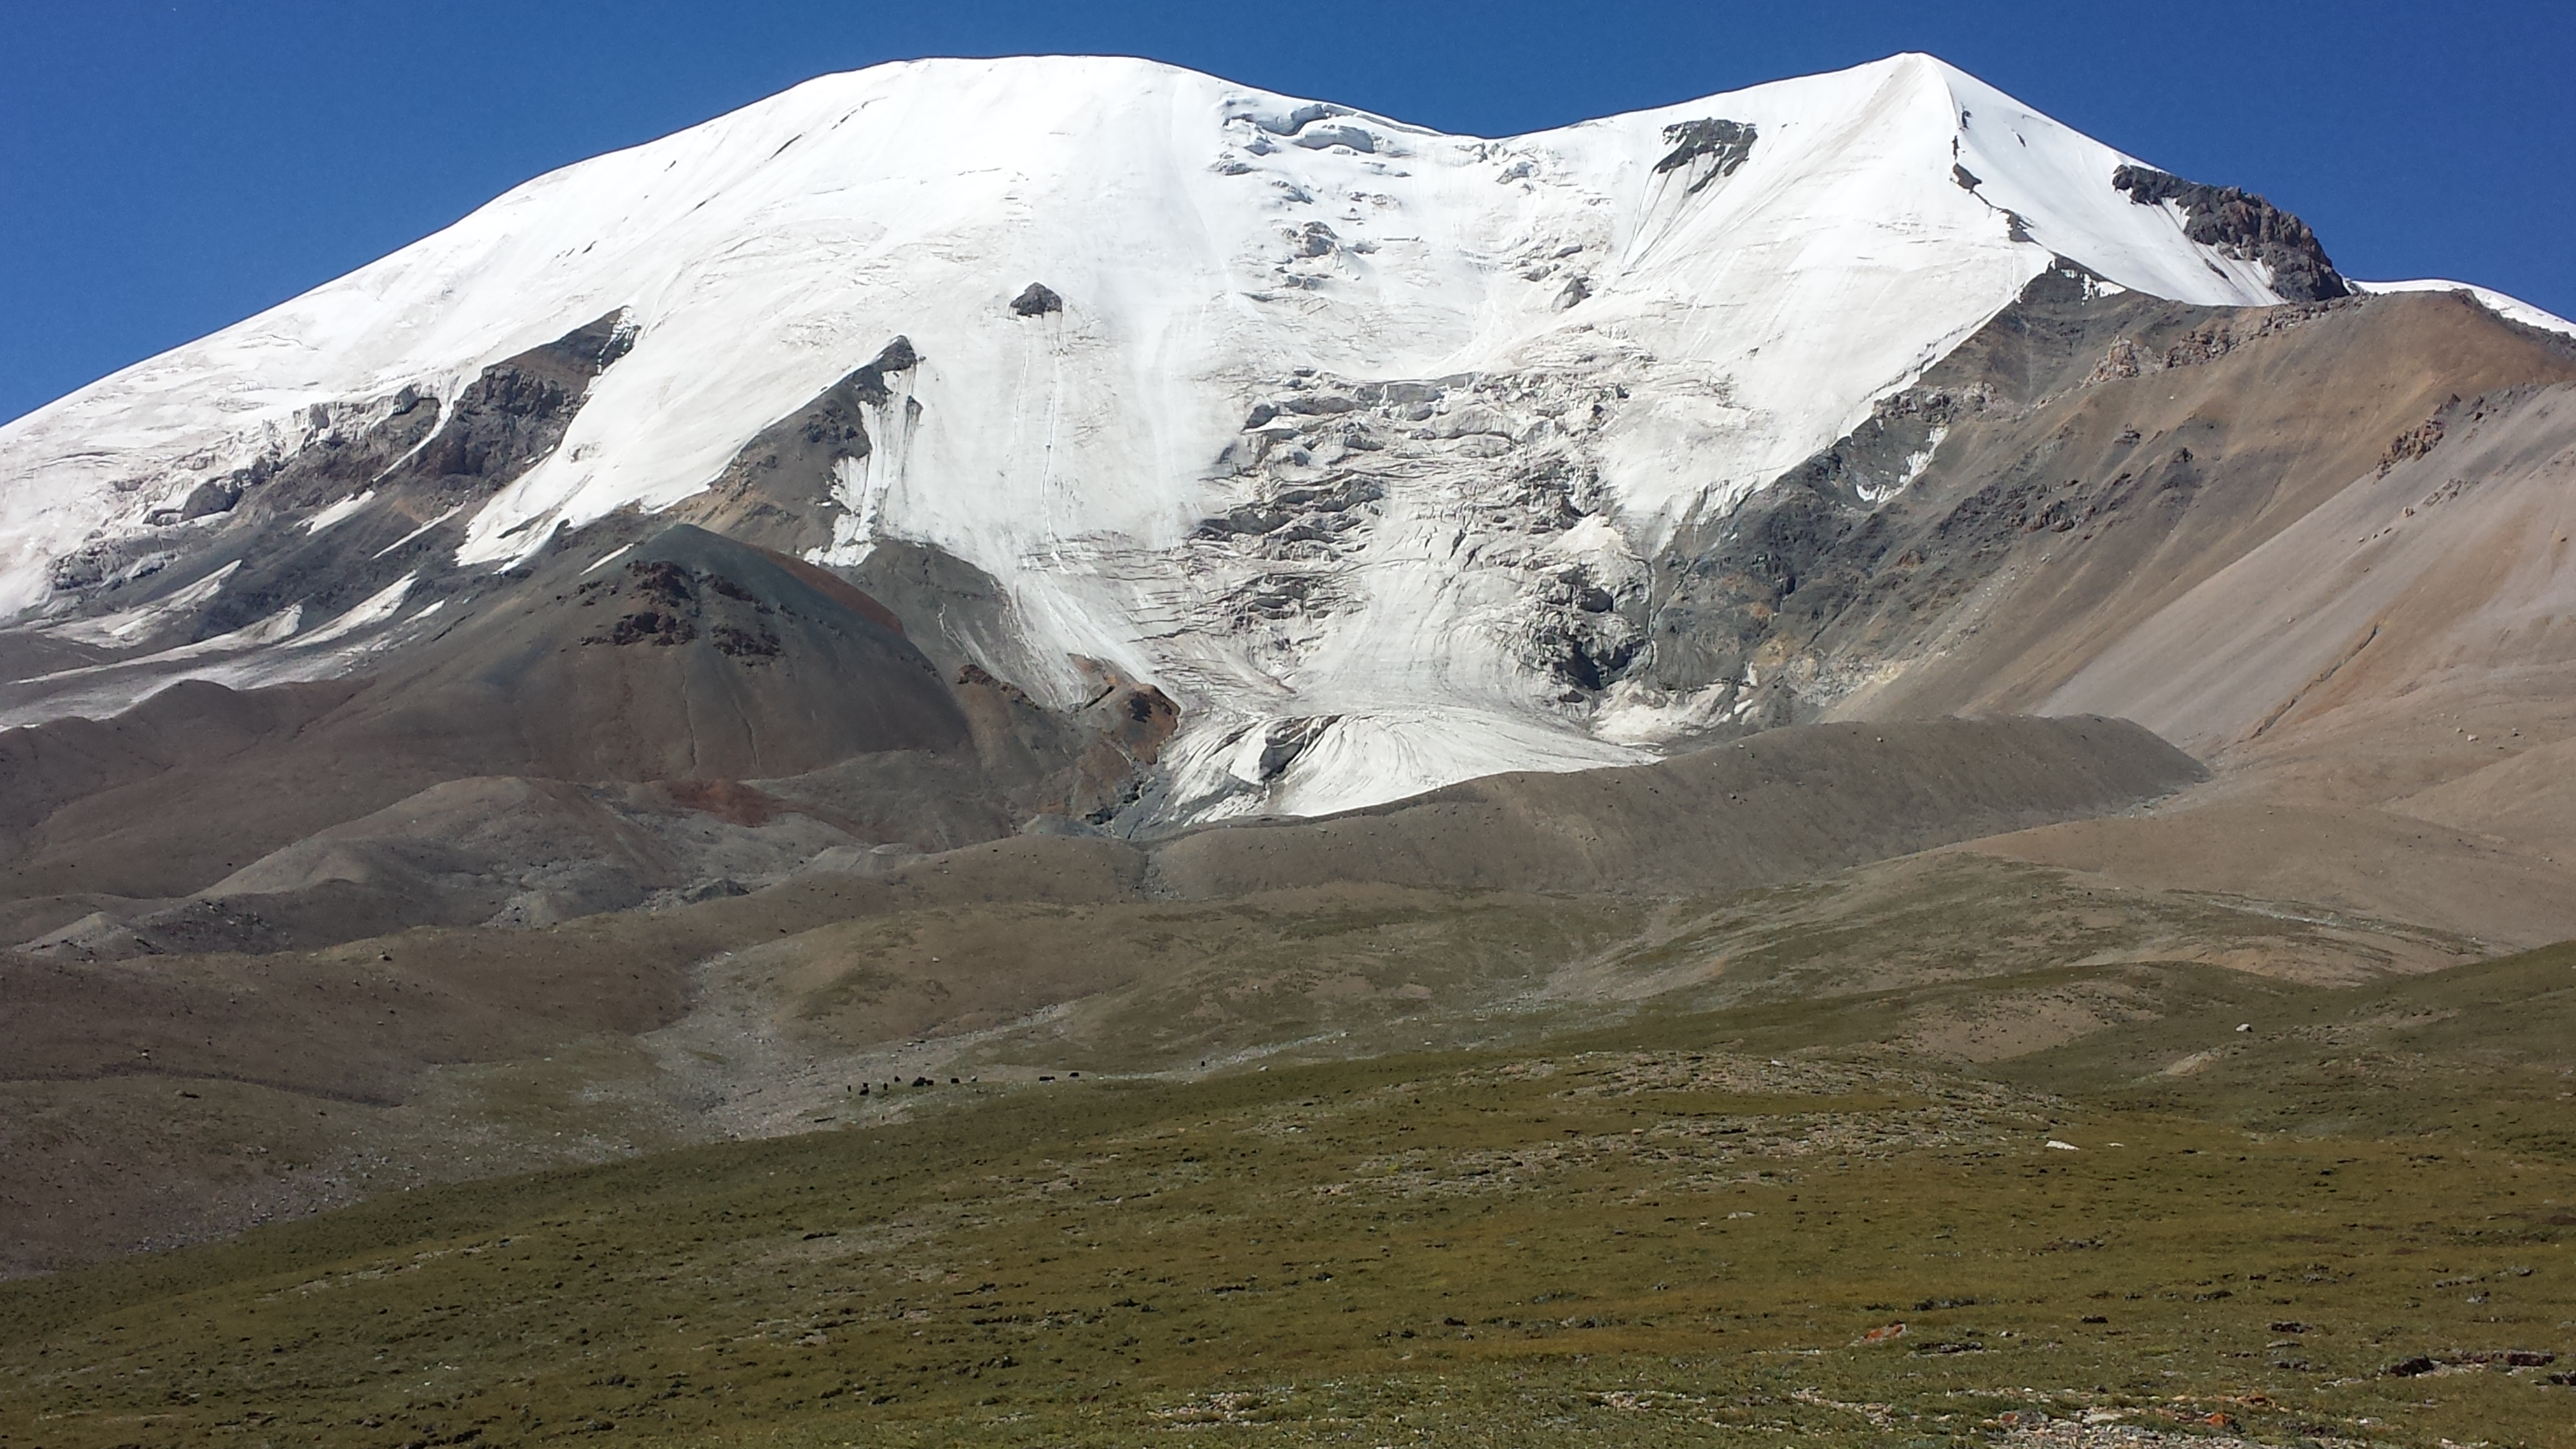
2281	1213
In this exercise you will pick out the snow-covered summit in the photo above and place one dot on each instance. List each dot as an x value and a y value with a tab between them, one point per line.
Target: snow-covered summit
1517	364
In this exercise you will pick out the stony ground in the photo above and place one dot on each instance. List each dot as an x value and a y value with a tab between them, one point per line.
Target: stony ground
2344	1227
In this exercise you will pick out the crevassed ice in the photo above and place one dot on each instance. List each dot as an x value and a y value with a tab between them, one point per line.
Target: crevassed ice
1209	242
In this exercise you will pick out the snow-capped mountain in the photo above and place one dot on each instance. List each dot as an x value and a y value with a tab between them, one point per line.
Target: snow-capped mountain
1359	441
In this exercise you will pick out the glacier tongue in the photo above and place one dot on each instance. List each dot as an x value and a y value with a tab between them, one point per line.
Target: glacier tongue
1352	436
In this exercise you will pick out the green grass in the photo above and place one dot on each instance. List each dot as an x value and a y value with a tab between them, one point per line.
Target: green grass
1653	1235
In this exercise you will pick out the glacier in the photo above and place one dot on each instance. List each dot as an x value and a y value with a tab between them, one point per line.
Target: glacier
1340	428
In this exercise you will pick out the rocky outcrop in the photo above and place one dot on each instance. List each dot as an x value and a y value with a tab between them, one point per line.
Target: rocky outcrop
1710	150
2415	442
2241	224
1768	613
2072	470
517	410
785	488
1088	764
375	491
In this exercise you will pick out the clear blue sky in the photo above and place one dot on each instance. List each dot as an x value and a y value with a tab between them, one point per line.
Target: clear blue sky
168	168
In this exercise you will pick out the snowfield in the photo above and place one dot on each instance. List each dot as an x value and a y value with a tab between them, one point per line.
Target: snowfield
1491	376
2512	309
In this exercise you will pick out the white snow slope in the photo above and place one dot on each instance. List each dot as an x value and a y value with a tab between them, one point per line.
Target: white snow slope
1657	343
2512	309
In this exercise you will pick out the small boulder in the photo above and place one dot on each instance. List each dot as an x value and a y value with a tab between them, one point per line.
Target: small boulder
1036	300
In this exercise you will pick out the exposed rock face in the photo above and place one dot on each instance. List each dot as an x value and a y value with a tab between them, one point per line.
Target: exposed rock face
1730	592
512	415
2244	225
2073	468
1087	765
898	356
2417	441
1036	300
400	470
516	412
1710	150
777	491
